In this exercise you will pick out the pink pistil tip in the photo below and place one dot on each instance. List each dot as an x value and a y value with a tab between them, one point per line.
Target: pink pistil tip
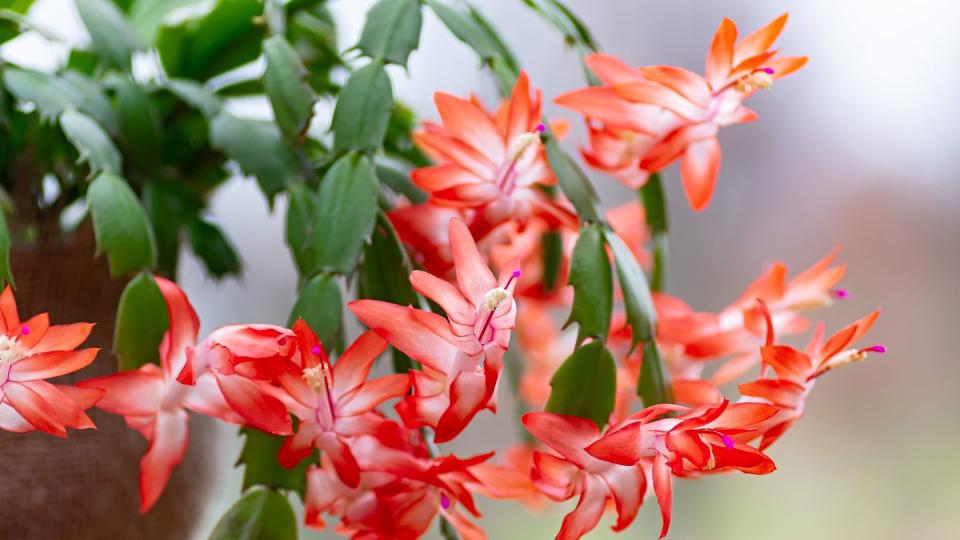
315	349
282	341
839	293
444	501
541	128
768	71
880	349
516	274
727	441
25	330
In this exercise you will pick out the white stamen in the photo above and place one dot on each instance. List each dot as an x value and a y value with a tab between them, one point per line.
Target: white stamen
11	350
521	143
760	80
318	377
493	298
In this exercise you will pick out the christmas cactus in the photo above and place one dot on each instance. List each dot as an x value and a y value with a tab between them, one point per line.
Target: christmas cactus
472	247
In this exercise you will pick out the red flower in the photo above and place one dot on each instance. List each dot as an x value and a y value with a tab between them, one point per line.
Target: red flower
400	492
153	402
490	162
572	471
797	372
656	115
333	402
704	440
30	352
462	354
217	379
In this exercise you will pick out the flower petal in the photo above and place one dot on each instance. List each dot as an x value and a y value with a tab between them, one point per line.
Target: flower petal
51	364
351	369
759	41
720	57
473	275
166	451
663	488
471	124
63	337
589	510
32	407
698	170
259	409
129	393
568	435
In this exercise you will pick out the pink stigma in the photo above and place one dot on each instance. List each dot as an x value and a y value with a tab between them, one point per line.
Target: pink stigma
444	501
768	71
541	128
516	274
25	330
282	341
880	349
839	293
315	350
727	441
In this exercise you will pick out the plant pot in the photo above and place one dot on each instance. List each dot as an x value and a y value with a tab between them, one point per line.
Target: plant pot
87	486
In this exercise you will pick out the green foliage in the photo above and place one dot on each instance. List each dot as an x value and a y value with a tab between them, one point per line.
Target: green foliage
11	15
290	96
262	514
142	320
392	30
360	118
111	35
345	213
299	226
53	94
6	276
585	385
320	304
212	247
139	124
475	31
399	183
120	225
653	385
384	274
91	141
208	42
551	245
169	205
573	181
259	457
655	209
257	147
592	283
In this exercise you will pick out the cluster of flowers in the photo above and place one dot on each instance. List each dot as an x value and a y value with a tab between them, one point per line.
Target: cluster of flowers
381	474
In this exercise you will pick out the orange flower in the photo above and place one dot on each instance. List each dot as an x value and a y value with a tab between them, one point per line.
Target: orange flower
655	115
488	162
30	352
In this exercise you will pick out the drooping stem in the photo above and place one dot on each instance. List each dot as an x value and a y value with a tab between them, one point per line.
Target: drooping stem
654	204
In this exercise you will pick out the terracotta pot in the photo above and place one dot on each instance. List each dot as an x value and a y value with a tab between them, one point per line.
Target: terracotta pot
87	486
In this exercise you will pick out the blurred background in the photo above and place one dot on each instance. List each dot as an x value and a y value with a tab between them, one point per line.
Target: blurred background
859	148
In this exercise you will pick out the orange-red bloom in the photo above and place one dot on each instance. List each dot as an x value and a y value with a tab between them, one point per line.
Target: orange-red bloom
490	163
31	351
462	355
333	401
642	120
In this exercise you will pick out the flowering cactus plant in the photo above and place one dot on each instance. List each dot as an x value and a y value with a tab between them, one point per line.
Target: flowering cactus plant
465	270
